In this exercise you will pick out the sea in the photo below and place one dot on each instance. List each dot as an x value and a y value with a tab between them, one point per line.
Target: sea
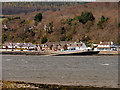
96	71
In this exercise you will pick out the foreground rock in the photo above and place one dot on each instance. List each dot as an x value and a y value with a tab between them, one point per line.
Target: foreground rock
20	84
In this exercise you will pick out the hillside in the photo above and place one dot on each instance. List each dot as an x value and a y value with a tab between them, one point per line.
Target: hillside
65	24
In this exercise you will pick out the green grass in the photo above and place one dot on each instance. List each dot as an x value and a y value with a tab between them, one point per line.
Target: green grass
1	19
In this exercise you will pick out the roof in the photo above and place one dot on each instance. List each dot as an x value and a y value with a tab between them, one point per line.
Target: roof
105	43
103	47
20	44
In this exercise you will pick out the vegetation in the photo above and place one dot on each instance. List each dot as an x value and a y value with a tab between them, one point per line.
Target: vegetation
85	17
44	40
32	33
119	25
11	37
102	20
4	37
63	38
69	21
38	17
59	24
13	18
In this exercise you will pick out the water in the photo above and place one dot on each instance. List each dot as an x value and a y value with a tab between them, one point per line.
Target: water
66	70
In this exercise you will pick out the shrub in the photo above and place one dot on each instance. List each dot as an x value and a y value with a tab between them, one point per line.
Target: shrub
32	33
119	25
38	17
11	37
44	40
62	30
102	20
69	21
63	38
22	22
4	37
13	18
85	17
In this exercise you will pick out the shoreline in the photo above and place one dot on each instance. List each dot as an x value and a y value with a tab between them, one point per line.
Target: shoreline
101	53
22	84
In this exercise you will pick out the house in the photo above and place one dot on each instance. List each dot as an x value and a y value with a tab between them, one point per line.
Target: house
107	46
23	46
76	46
66	45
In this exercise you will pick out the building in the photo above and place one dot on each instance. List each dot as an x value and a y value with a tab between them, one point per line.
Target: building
66	45
107	46
20	46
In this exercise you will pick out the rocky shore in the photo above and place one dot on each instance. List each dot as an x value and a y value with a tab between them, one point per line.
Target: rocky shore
24	85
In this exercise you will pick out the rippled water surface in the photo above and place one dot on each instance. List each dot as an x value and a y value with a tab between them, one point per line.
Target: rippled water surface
70	70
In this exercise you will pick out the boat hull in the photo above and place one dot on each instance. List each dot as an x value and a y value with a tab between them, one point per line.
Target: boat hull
77	53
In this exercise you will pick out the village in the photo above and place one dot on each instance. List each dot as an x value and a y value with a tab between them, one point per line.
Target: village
61	46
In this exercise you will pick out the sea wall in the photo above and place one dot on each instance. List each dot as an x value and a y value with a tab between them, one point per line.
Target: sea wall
22	53
109	52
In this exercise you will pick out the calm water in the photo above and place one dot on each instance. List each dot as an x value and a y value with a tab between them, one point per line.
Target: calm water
70	70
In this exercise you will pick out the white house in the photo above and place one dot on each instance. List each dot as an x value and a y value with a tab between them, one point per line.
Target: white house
76	46
26	46
106	46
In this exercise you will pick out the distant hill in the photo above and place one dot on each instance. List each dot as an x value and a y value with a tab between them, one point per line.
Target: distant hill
90	22
10	8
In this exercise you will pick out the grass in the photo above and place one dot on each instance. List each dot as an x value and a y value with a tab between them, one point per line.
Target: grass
1	19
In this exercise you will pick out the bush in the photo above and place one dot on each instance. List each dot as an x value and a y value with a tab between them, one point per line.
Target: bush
63	38
22	22
62	30
119	25
13	18
102	20
38	17
44	40
85	17
32	33
4	37
11	36
69	21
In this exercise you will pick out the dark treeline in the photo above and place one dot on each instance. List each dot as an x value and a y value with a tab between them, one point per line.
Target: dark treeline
9	8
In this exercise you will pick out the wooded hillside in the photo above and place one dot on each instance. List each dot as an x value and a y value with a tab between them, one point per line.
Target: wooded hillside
90	22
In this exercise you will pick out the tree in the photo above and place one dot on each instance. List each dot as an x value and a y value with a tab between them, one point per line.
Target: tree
85	17
11	36
119	25
102	20
32	33
44	40
38	17
69	21
4	37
